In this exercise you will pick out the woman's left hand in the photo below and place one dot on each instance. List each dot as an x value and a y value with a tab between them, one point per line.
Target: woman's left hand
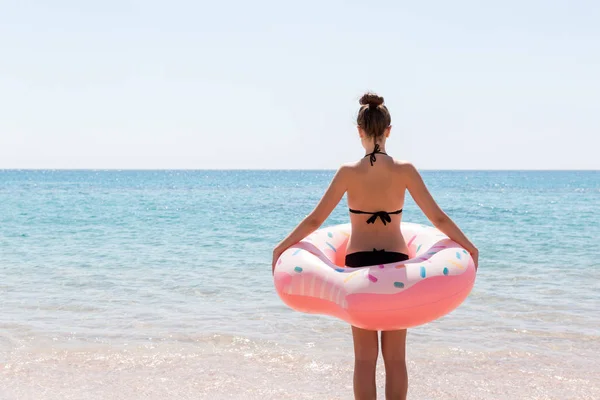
276	254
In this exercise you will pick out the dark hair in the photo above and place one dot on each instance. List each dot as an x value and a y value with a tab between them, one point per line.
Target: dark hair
373	116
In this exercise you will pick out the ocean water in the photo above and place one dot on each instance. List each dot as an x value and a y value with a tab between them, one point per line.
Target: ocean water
157	284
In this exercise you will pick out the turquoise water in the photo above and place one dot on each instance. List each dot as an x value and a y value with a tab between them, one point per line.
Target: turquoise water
159	283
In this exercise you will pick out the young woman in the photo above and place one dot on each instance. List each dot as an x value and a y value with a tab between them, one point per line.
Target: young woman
376	187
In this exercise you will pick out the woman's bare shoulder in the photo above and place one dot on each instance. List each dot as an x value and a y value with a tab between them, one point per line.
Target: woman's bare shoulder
404	165
349	166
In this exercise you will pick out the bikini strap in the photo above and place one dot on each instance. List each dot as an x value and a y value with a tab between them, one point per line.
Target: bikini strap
372	154
384	216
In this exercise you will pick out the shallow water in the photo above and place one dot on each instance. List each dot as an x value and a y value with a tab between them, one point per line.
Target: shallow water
146	284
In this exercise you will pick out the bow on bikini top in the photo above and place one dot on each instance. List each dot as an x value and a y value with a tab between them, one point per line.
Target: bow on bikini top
384	216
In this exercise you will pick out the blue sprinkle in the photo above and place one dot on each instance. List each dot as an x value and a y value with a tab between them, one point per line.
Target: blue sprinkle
458	255
432	253
445	270
464	251
423	272
340	269
330	245
419	248
330	234
298	269
296	252
399	284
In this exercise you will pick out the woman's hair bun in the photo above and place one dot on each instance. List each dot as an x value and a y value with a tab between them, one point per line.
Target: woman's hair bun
371	99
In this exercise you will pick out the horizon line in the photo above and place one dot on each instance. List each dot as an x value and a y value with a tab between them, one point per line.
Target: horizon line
297	169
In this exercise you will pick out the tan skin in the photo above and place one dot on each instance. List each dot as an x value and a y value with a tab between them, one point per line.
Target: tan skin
373	188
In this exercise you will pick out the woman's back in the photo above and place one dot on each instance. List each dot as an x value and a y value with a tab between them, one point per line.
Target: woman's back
378	188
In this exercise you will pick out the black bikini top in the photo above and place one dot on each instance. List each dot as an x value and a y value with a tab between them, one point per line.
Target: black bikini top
384	216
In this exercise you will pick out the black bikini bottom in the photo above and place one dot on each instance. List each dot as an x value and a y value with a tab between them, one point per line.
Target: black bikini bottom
375	257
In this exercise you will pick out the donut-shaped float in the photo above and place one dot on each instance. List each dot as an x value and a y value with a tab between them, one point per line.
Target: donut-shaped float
311	277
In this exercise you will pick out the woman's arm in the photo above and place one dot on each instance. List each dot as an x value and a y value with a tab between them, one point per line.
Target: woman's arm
315	219
434	213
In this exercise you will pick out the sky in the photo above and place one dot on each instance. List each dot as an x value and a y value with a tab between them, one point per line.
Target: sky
268	84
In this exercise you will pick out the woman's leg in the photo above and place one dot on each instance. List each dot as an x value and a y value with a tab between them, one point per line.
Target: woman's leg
366	350
393	348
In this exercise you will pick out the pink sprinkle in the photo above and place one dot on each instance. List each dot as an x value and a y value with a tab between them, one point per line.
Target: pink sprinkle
279	262
410	241
372	278
381	266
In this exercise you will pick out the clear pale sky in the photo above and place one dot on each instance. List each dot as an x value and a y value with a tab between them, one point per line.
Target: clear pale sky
274	84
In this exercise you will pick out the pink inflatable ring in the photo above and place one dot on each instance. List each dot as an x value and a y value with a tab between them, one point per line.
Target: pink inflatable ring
311	277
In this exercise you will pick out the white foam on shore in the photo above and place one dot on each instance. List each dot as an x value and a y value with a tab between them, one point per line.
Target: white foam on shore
232	367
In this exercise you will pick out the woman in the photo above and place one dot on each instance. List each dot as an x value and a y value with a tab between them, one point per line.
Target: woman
376	187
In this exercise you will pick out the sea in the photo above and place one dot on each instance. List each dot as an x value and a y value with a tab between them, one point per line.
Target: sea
157	285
